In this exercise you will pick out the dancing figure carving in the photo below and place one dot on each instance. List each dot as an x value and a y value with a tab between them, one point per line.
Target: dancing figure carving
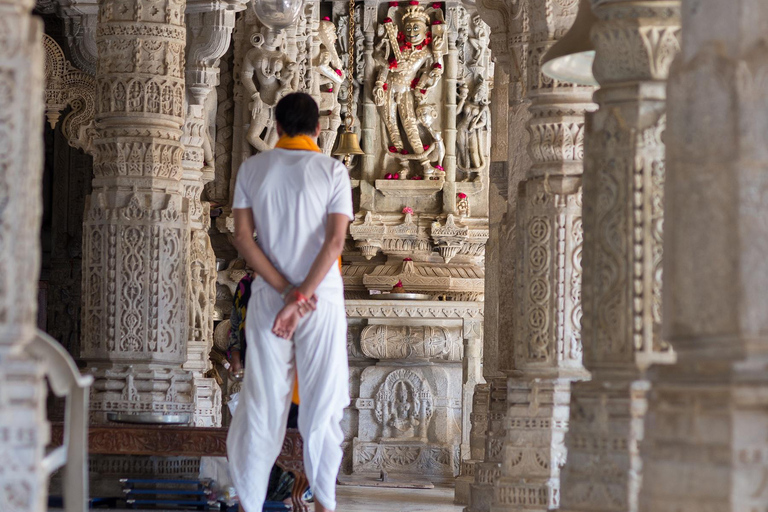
411	66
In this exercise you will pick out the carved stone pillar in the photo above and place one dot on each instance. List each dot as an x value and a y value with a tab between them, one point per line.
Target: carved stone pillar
24	431
136	246
705	445
209	29
547	341
623	214
496	352
509	40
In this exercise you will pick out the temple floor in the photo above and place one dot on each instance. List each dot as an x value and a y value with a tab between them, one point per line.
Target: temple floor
373	499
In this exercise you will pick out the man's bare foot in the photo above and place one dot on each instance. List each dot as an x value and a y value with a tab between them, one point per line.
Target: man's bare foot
286	321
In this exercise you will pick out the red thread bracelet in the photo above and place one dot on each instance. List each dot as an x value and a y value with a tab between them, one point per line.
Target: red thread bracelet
299	296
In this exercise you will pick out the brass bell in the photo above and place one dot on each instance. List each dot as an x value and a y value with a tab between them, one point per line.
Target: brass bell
348	145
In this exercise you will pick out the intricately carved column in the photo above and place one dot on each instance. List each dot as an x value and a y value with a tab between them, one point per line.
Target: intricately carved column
495	351
547	341
635	43
706	445
136	246
24	431
509	40
209	29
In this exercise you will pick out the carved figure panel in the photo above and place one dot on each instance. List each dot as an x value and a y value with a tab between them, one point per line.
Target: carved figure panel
404	405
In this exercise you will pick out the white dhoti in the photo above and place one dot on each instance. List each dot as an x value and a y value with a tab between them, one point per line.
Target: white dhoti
319	352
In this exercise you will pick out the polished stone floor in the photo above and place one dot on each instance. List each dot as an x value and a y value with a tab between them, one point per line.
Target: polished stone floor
373	499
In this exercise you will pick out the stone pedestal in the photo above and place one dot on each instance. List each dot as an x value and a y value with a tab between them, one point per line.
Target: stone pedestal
489	468
623	217
477	437
409	400
136	243
24	431
705	445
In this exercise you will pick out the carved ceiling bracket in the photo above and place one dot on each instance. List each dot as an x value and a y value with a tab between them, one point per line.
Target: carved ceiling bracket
67	86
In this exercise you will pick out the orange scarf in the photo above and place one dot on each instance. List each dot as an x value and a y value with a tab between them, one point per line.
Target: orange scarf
300	142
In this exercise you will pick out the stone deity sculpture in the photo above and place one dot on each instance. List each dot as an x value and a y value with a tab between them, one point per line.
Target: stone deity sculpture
475	121
268	74
414	66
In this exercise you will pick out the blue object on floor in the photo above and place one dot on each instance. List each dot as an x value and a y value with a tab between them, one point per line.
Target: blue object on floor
275	506
161	493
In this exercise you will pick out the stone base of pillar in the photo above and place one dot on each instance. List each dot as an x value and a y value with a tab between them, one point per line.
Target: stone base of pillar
705	446
606	427
141	389
24	433
207	403
477	443
512	494
534	449
464	481
481	492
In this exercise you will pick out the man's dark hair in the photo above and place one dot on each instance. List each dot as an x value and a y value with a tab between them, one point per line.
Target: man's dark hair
298	114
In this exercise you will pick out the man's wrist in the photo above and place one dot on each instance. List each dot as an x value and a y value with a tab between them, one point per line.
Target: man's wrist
287	292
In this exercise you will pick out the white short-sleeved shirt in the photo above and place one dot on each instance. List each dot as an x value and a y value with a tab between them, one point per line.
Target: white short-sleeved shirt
291	193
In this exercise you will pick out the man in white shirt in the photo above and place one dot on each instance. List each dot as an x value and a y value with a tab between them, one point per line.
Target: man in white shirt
299	201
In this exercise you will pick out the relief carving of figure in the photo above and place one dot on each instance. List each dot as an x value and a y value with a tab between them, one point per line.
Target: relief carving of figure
268	74
325	88
411	66
404	405
472	141
481	43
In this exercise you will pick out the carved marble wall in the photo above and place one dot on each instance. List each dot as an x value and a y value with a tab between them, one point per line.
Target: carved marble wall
423	76
623	224
24	430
